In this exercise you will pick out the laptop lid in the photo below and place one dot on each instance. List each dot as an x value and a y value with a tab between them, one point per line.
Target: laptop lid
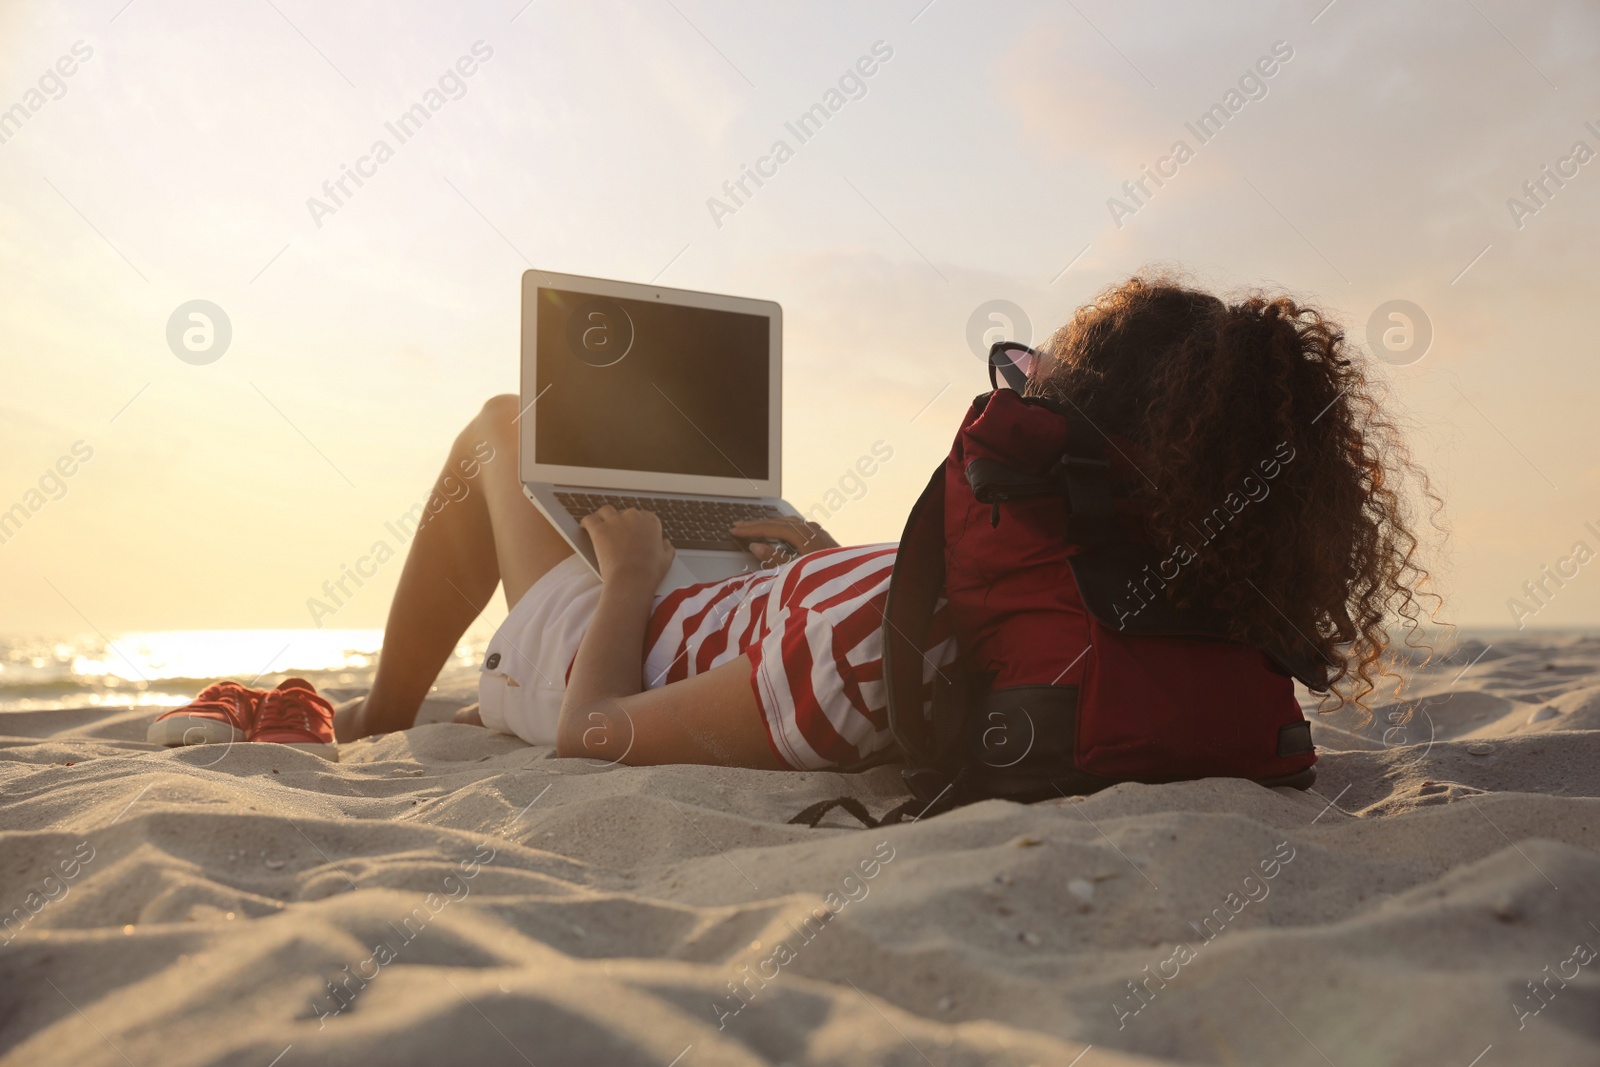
643	387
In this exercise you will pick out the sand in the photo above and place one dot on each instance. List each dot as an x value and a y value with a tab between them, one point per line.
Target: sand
446	895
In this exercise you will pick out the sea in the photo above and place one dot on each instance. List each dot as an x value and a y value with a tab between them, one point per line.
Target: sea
164	669
167	668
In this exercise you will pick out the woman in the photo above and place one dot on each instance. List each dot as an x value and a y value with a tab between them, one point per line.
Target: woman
781	668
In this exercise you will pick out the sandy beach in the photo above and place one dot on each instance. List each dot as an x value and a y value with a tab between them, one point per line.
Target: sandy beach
344	341
446	894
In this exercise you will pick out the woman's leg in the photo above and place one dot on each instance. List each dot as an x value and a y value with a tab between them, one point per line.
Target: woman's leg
491	536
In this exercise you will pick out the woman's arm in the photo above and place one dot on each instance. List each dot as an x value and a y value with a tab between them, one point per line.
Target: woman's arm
633	558
605	713
711	718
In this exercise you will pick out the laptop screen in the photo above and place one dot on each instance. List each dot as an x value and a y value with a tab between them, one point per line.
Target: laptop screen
649	386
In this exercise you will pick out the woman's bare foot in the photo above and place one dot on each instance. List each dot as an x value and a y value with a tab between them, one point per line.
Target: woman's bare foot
468	716
346	716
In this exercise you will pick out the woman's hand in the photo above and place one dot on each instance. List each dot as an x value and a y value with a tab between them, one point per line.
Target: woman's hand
800	536
628	545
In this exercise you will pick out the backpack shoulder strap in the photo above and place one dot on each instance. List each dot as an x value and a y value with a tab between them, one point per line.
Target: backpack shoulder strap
1084	468
914	588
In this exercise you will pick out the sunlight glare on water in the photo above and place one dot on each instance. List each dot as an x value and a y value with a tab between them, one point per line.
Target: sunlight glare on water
243	654
167	668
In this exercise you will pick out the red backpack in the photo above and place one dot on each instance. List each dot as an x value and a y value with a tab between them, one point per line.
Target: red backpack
1075	670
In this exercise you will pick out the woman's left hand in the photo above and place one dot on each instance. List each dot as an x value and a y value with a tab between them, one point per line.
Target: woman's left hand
800	536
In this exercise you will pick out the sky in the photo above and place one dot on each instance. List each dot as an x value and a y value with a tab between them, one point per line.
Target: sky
983	160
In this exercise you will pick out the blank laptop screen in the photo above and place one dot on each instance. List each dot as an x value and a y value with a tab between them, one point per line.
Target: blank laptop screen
650	386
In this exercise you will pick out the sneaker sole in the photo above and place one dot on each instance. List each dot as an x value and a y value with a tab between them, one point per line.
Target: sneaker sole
181	730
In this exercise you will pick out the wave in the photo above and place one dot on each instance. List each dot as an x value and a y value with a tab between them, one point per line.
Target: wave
167	668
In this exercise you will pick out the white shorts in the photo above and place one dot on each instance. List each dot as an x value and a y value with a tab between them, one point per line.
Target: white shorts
524	671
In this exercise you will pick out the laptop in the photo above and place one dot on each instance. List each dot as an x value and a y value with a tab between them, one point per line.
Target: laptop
649	397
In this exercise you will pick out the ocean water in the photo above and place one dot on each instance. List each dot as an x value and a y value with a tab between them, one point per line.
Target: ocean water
160	669
167	668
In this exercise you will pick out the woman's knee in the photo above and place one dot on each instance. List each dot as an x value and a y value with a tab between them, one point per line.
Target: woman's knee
500	412
495	423
486	447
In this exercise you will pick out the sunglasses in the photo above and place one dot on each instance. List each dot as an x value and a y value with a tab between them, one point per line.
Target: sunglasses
1015	362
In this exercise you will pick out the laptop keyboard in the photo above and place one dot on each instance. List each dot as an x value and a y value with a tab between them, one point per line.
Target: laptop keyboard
688	522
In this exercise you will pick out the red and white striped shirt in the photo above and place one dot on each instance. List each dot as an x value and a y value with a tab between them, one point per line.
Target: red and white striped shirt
813	630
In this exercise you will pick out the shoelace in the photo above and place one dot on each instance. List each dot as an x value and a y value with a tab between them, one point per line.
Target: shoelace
231	700
287	709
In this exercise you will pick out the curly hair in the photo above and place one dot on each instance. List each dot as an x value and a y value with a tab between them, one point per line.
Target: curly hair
1266	455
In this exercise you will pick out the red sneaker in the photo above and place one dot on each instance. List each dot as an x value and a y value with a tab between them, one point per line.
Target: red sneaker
222	713
293	714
